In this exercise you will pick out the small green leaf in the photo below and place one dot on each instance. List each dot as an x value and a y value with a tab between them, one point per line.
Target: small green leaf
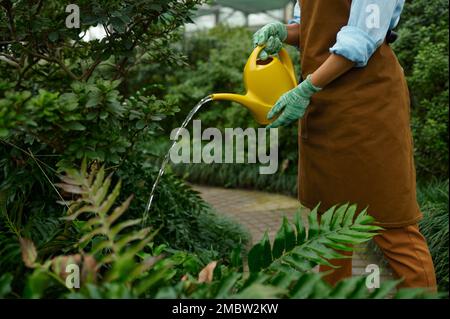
325	220
227	285
338	217
5	284
313	229
254	258
289	235
305	286
53	36
3	132
349	215
300	228
266	256
278	244
140	124
75	126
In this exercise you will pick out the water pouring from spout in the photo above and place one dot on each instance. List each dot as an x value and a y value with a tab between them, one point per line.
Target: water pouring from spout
167	156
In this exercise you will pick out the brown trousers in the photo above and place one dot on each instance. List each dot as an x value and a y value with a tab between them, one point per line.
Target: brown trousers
408	255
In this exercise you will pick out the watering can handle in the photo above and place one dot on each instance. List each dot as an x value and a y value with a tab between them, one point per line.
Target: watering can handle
287	62
284	59
255	55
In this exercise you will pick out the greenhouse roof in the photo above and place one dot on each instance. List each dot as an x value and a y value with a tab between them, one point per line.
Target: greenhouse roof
253	6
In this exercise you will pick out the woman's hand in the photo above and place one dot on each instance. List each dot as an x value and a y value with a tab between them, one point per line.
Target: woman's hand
272	37
293	104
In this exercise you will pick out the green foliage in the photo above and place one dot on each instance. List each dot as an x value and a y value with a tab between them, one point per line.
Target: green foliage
119	259
63	99
422	49
5	284
187	222
284	268
92	120
241	176
433	198
106	246
303	248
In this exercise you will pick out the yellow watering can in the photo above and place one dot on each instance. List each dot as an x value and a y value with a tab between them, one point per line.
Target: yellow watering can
265	82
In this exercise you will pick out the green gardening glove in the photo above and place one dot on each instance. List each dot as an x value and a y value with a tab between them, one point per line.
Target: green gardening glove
272	37
294	104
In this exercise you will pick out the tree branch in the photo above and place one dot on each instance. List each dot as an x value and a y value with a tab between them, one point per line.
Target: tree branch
9	59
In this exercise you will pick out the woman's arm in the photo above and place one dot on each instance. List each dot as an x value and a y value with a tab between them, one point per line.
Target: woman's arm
330	70
293	34
357	41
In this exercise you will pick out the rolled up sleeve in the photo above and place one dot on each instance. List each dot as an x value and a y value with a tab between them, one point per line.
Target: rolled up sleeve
368	25
297	15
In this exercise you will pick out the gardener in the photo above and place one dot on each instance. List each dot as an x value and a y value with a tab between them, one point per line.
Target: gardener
354	111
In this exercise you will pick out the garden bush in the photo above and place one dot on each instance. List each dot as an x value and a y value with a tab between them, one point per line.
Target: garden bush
422	49
63	99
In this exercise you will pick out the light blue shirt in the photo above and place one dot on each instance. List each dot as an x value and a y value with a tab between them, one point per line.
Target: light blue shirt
368	25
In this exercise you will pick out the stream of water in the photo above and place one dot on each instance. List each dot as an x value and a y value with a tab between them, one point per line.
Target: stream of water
167	156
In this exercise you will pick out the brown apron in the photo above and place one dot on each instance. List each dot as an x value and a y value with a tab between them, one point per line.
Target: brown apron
355	141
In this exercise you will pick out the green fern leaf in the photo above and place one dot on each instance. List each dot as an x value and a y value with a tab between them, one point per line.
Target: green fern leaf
305	286
313	224
349	215
299	228
338	217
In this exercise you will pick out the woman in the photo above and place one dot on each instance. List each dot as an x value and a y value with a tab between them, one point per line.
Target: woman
354	111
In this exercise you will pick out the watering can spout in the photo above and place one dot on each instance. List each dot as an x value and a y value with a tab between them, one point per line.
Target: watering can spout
256	107
241	99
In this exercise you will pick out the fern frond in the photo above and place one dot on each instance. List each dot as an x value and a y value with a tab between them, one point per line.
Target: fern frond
304	247
102	231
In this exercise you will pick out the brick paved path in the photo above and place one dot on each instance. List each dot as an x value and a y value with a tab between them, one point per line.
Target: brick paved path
260	211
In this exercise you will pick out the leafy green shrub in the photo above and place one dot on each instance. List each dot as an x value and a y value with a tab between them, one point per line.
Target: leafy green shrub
238	176
433	198
118	259
430	119
187	222
63	99
422	49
